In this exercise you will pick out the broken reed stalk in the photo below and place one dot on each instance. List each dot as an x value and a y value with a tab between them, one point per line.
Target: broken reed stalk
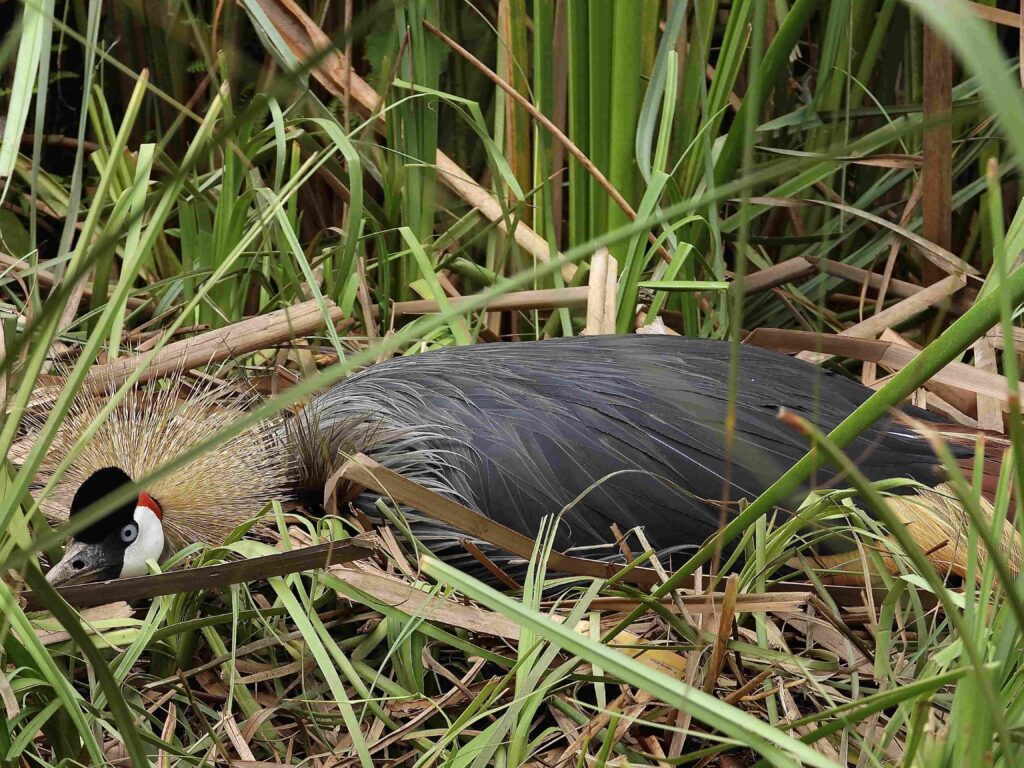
211	576
922	300
241	338
363	471
516	301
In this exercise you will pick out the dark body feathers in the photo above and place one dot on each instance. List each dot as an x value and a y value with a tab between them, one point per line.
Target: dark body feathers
632	425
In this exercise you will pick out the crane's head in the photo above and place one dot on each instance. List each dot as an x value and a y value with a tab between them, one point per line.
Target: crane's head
205	498
120	543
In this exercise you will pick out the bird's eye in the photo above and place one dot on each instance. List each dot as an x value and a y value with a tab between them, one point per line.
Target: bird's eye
129	532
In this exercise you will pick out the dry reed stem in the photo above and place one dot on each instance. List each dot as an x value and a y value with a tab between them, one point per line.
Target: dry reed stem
898	313
516	301
363	471
962	400
777	274
241	338
863	277
885	353
214	576
725	618
990	415
601	293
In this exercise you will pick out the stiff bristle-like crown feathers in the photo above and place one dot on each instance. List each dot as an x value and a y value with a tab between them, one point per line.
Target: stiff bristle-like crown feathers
202	501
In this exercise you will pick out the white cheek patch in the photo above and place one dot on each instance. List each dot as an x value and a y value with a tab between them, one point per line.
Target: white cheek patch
148	545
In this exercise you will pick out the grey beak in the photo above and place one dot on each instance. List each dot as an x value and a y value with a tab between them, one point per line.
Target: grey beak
81	563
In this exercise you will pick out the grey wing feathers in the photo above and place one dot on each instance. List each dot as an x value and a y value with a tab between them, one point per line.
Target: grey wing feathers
633	425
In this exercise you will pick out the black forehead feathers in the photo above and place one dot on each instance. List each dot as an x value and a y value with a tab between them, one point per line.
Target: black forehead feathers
100	484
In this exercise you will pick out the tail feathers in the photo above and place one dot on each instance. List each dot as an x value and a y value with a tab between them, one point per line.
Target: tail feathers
937	521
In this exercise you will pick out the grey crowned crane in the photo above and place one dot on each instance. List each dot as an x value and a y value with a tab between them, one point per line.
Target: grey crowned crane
627	431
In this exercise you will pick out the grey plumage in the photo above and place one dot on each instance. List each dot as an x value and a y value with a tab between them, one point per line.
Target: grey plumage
633	426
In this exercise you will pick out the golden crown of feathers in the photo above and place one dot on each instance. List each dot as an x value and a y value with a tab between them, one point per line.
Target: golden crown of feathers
203	500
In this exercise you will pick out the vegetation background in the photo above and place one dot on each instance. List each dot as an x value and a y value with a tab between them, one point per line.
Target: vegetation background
839	177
